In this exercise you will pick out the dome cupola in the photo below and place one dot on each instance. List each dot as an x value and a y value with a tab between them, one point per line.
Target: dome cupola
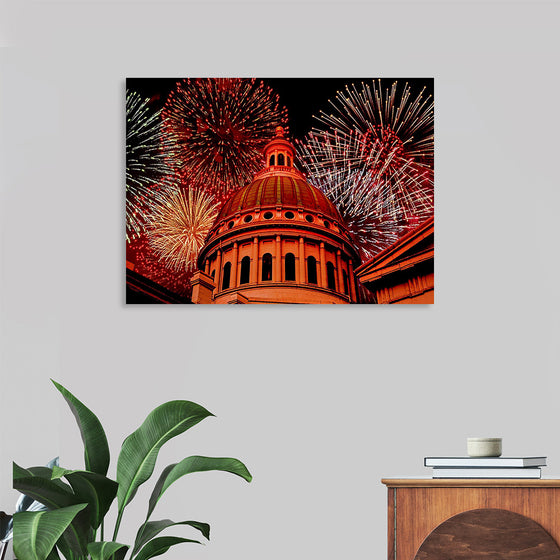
279	152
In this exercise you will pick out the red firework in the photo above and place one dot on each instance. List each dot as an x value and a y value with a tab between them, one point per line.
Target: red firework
147	263
220	127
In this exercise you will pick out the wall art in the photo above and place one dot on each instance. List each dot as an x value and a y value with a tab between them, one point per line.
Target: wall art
280	191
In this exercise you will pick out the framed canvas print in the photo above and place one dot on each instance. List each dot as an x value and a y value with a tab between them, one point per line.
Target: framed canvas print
280	191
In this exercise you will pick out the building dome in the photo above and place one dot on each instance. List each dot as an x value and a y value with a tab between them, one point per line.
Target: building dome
279	185
280	198
277	240
270	190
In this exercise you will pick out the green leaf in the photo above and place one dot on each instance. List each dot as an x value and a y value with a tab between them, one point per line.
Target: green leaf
54	494
66	552
25	503
36	533
173	472
96	448
148	531
160	546
47	474
5	524
105	550
95	489
140	449
19	471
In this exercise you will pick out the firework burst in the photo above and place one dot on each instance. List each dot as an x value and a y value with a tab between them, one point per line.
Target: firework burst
180	222
146	152
398	125
374	158
350	181
219	127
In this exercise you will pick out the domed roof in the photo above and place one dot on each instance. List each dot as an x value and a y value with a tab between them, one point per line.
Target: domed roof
279	185
287	191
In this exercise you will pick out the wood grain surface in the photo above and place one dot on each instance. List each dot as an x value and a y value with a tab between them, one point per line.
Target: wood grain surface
419	510
489	534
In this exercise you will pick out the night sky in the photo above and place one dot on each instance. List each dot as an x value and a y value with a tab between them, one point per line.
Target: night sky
303	97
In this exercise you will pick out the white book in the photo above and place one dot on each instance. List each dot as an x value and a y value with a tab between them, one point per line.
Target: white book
527	472
467	462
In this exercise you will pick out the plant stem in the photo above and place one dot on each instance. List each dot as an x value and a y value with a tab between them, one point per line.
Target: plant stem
118	524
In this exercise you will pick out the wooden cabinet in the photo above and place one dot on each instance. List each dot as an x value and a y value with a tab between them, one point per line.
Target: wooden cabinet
498	519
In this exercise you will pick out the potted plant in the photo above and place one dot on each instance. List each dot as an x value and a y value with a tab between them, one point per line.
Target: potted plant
78	501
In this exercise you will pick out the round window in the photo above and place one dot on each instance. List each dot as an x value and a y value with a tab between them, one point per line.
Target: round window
247	218
309	218
230	225
267	215
289	215
327	224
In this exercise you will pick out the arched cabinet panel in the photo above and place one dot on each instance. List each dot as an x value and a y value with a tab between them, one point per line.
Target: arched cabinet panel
488	534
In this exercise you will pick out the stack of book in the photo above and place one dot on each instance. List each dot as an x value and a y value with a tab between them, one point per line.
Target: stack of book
485	467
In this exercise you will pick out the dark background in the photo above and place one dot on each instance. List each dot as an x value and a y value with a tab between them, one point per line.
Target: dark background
303	97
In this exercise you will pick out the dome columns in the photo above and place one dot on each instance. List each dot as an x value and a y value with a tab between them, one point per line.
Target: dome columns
277	277
339	270
218	271
301	257
323	265
255	261
234	265
286	266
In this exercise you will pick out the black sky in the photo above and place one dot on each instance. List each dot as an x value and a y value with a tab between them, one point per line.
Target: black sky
303	97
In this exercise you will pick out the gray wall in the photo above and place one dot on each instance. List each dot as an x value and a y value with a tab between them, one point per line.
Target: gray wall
320	403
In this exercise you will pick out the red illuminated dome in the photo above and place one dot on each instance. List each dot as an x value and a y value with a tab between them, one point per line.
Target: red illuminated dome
285	191
277	240
279	184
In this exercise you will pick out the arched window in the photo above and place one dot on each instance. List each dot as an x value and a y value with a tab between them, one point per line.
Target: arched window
311	270
267	267
245	270
280	159
213	274
345	280
227	274
331	282
289	162
271	160
290	267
